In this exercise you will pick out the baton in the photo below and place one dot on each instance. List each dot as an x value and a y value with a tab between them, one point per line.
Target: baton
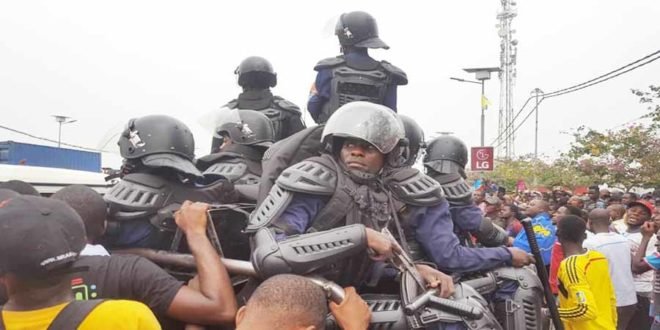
543	275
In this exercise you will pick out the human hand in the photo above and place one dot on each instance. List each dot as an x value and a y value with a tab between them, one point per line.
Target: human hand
648	229
382	246
520	258
192	217
353	313
437	279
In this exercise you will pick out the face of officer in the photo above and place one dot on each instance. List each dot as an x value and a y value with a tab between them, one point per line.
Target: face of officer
361	156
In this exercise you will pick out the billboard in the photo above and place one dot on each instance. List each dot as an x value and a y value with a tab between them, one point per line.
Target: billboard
482	158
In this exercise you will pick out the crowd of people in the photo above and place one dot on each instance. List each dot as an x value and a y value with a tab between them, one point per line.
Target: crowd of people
336	228
620	225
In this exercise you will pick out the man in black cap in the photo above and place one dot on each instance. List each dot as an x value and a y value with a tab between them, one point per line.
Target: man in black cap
40	239
354	76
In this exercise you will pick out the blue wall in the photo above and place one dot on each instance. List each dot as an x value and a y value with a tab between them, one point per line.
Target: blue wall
37	155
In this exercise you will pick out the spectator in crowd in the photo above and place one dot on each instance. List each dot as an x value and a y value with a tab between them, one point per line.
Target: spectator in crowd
501	192
136	278
639	212
479	197
576	201
91	207
586	295
604	196
291	302
557	255
492	211
543	229
616	249
615	199
617	214
509	216
594	201
20	187
49	235
627	198
643	263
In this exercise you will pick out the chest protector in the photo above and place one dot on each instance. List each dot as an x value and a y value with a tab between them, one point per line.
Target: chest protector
374	204
352	83
277	109
146	197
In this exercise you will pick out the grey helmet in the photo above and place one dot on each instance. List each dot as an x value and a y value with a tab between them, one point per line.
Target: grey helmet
446	154
246	127
358	29
415	137
256	72
159	141
370	122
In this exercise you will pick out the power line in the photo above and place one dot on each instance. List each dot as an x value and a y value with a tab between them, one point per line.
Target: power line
606	79
604	75
49	140
512	121
584	85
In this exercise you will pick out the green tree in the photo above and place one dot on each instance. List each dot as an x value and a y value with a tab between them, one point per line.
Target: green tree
627	157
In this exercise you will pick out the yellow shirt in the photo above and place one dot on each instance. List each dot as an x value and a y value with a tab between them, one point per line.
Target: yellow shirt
586	295
111	315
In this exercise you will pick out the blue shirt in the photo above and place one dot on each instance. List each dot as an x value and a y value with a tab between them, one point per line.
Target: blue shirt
322	87
544	231
433	228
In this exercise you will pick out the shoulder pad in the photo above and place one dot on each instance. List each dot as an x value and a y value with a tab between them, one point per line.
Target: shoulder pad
139	192
329	62
230	171
233	104
400	77
414	187
309	177
285	104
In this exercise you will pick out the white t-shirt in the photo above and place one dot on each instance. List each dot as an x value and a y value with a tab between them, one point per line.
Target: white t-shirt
644	281
616	249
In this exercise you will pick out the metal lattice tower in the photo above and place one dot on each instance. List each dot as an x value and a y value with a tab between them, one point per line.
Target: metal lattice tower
507	75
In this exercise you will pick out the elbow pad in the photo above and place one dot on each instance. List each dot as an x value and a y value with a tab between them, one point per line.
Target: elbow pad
491	235
457	191
305	253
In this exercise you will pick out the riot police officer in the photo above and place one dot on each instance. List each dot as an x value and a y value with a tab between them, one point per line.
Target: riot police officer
354	76
158	175
239	143
415	140
256	76
336	205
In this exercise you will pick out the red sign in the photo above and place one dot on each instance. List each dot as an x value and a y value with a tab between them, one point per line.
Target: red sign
482	158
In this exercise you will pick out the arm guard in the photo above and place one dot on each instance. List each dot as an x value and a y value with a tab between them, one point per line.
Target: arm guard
305	253
491	235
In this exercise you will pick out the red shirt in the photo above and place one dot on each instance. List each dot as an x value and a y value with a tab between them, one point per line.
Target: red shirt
556	256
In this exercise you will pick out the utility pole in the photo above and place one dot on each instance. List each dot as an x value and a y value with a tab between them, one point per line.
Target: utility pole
62	120
481	74
536	92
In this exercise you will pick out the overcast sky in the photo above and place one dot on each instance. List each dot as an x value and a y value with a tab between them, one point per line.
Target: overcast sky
104	62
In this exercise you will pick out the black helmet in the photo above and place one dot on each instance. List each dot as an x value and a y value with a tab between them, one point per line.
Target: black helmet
370	122
246	127
446	154
159	141
358	29
256	72
415	137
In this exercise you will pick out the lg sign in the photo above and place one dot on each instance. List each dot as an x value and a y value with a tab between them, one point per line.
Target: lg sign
482	158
